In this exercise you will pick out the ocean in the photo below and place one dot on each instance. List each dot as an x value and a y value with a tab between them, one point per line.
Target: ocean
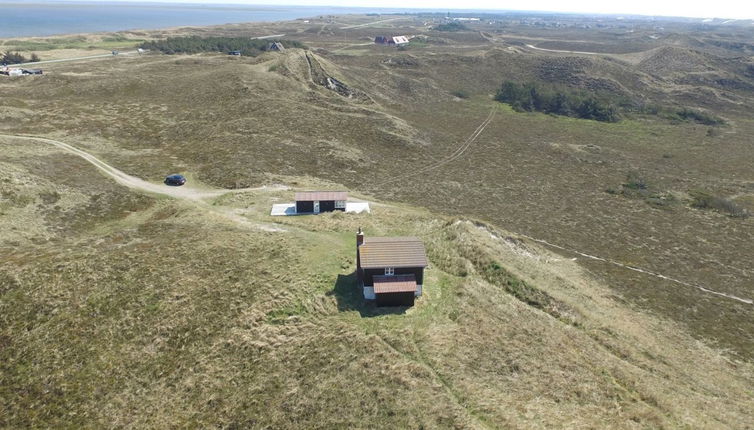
24	19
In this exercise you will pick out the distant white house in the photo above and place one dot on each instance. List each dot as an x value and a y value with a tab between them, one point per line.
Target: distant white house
400	40
391	40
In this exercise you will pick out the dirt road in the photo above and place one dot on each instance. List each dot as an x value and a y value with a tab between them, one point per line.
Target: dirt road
183	192
62	60
370	23
565	52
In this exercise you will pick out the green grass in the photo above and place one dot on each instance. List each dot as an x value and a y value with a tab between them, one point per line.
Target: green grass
177	315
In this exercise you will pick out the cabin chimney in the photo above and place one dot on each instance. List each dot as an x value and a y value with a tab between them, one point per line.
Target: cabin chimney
359	272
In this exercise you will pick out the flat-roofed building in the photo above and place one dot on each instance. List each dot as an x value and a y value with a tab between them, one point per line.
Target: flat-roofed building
320	201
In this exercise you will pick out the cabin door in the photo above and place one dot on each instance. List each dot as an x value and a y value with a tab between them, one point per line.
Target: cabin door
316	207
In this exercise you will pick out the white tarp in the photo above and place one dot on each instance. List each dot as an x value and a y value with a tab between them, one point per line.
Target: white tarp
357	207
283	209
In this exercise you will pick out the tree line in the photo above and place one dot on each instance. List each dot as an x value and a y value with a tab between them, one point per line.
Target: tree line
531	97
195	44
9	57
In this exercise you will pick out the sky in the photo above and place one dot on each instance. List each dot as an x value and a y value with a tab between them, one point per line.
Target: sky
732	9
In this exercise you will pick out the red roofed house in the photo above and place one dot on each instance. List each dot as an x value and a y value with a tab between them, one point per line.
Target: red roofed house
390	270
320	201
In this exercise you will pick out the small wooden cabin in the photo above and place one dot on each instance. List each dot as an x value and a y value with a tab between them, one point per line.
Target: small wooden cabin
314	202
390	270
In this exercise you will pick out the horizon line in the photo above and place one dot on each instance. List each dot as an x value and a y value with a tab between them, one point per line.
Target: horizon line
403	9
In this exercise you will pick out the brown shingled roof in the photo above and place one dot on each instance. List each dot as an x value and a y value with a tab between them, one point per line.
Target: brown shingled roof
310	196
378	252
394	284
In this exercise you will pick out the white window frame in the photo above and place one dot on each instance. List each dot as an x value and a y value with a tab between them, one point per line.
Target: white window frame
389	271
340	204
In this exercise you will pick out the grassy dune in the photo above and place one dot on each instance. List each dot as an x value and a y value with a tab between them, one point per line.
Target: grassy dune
119	308
175	316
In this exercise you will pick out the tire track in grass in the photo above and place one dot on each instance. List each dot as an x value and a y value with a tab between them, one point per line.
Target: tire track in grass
640	270
452	394
453	156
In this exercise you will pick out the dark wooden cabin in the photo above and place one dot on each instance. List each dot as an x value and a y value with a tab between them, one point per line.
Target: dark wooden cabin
314	202
390	270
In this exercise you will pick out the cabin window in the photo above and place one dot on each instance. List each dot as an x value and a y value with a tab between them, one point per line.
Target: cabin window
389	271
340	204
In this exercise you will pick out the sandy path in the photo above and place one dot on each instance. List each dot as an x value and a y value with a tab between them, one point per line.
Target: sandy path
61	60
566	52
640	270
184	192
370	23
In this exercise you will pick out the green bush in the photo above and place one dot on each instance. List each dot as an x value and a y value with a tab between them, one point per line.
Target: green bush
16	58
698	117
531	97
451	26
196	44
635	181
605	107
704	200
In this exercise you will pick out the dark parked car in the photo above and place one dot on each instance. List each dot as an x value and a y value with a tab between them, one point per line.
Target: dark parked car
175	180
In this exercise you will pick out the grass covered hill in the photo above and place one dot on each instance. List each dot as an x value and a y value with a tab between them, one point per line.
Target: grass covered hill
168	313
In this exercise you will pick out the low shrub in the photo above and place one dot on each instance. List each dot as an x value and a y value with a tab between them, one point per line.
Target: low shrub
698	117
635	181
16	58
702	200
451	26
